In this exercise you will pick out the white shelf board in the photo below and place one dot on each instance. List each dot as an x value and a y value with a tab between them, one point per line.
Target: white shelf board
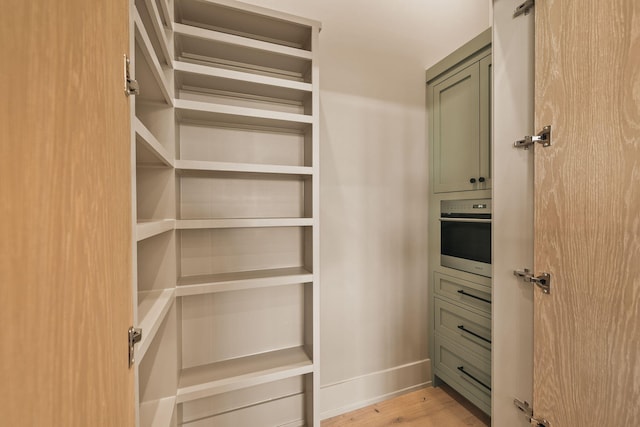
214	78
191	224
142	37
197	165
149	150
243	18
188	67
235	374
157	413
147	229
224	282
220	37
158	28
152	309
227	114
222	50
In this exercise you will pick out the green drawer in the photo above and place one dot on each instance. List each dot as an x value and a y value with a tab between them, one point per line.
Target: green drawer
466	328
465	372
474	295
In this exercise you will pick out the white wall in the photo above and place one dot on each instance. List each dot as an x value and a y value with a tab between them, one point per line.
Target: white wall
373	55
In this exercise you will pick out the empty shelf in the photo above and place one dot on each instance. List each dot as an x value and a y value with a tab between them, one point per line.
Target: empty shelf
149	151
232	39
196	165
247	20
214	78
235	374
154	67
158	27
157	413
189	224
223	282
232	115
147	229
152	309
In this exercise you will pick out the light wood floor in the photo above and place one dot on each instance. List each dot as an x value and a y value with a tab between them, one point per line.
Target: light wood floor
428	407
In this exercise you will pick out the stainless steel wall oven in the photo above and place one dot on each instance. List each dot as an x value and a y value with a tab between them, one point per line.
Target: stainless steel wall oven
465	235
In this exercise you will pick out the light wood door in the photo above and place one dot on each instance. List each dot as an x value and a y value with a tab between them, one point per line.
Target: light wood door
65	250
587	213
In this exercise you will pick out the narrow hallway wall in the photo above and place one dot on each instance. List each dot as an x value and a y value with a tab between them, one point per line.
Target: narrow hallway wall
374	186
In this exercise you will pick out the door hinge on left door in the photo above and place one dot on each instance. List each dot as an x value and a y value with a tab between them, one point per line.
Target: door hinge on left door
135	335
131	86
527	410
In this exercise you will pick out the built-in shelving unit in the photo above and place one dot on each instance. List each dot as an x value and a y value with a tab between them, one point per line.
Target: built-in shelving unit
153	148
226	188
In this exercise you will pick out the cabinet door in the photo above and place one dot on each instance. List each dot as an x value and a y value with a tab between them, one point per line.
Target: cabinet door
65	264
456	129
485	121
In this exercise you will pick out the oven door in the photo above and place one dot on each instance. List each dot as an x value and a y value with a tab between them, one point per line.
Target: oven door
465	244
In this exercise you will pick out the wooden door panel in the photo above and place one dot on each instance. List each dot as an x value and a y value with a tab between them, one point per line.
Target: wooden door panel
65	262
587	213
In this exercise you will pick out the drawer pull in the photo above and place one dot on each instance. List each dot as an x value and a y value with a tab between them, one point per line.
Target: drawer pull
461	369
473	296
462	328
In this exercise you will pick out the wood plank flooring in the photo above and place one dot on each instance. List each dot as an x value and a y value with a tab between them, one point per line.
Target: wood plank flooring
428	407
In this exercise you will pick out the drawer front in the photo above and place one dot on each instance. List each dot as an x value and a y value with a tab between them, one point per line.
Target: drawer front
468	374
465	292
466	328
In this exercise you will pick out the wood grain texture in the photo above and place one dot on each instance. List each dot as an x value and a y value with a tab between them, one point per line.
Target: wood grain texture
587	204
428	407
65	264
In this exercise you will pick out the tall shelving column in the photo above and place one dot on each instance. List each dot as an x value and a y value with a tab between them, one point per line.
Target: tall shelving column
153	192
247	193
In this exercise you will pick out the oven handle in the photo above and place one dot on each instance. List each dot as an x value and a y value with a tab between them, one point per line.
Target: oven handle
483	220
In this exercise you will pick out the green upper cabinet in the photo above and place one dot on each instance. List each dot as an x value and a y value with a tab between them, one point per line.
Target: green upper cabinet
459	97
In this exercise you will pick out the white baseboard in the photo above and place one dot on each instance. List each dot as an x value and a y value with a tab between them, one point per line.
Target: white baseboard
364	390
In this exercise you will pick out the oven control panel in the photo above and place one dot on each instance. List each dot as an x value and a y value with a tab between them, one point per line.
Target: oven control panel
467	207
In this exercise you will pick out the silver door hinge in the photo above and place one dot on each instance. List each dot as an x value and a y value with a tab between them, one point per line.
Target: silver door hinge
524	8
135	335
131	86
527	410
544	138
543	280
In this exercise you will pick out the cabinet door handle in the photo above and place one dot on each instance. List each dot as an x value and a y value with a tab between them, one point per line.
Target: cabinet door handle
463	329
461	369
472	180
462	292
481	179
